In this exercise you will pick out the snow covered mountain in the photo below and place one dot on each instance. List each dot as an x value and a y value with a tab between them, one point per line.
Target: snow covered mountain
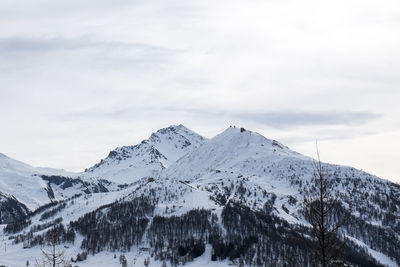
234	150
234	199
24	188
240	166
30	187
128	163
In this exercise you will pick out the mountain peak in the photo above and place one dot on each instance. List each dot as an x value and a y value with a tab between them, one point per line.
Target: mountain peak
233	150
233	130
235	136
128	163
242	134
175	129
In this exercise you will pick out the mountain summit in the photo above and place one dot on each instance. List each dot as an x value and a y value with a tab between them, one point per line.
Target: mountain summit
234	150
126	164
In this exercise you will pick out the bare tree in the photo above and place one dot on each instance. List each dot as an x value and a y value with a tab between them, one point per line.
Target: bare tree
319	212
53	257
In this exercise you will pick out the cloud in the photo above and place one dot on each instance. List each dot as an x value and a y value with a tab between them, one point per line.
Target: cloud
274	119
23	44
287	119
292	119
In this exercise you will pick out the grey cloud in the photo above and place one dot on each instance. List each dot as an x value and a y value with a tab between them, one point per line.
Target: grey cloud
290	119
99	114
123	113
36	45
327	135
284	119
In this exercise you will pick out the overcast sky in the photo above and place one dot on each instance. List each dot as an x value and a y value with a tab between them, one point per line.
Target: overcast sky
78	78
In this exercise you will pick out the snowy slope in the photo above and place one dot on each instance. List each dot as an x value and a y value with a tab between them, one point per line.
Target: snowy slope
260	163
245	167
232	150
33	187
237	158
128	163
24	182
